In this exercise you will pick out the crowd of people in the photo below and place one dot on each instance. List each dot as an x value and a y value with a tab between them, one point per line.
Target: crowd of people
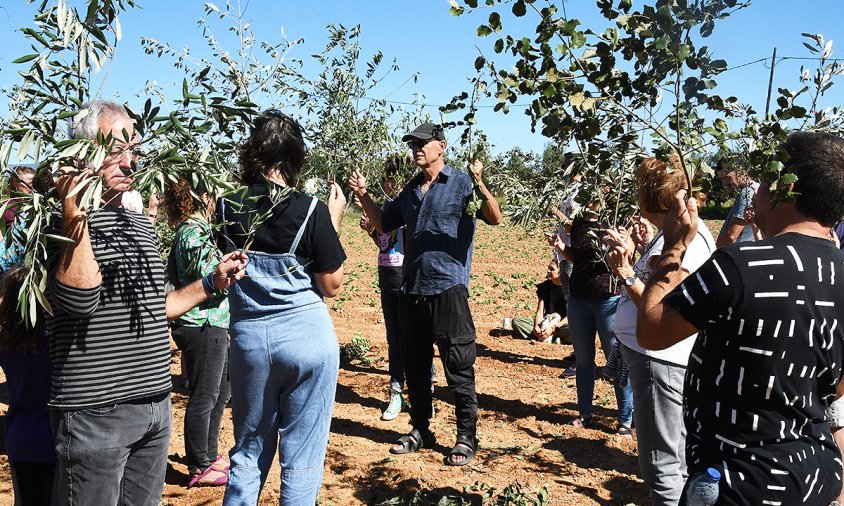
738	337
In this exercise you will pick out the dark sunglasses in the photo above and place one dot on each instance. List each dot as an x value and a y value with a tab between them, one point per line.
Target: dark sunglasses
418	143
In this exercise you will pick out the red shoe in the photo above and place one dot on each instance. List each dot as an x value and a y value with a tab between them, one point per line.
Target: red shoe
221	464
211	477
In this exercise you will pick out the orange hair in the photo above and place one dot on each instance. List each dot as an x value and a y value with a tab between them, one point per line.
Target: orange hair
657	181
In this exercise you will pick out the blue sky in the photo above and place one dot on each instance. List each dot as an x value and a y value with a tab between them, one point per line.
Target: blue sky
427	40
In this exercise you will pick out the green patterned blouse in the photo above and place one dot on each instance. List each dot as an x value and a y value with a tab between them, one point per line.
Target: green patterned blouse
196	255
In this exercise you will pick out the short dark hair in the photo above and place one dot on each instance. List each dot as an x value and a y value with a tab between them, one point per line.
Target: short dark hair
572	162
728	164
17	334
275	142
817	159
395	165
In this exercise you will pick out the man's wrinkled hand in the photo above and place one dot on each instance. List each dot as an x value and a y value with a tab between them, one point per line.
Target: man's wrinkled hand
232	268
620	238
68	184
617	259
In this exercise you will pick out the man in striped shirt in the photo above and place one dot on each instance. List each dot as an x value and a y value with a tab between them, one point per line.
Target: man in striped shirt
768	358
109	345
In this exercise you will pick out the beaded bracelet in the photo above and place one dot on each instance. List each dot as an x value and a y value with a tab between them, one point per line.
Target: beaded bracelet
208	283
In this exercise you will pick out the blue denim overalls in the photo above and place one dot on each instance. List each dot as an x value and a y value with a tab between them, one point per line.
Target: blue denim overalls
283	366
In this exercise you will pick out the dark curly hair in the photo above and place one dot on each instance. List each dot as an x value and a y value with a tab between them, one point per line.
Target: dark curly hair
275	143
180	201
395	164
16	333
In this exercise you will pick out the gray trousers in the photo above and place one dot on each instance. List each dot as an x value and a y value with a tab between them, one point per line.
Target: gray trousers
114	454
660	431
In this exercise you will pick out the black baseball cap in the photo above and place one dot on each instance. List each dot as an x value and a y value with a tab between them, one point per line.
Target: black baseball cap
424	132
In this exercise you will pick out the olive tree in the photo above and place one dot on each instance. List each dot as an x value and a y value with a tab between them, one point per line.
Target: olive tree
637	87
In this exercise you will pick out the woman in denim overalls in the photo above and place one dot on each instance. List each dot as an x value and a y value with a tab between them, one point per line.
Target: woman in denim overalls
284	356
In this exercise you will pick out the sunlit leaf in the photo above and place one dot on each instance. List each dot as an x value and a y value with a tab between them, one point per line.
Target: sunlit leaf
24	59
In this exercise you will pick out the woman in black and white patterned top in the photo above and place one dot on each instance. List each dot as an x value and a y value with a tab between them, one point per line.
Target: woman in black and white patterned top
768	359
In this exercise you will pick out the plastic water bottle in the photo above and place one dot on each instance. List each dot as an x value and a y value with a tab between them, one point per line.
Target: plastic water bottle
703	490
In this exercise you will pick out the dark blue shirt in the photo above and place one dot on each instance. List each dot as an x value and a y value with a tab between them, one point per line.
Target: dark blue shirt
440	234
29	436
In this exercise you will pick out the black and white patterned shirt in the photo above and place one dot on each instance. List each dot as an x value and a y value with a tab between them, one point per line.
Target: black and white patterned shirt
765	366
109	344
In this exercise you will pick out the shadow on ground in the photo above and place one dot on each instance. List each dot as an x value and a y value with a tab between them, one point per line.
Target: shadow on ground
517	358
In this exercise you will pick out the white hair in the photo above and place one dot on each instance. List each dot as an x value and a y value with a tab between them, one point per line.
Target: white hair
87	126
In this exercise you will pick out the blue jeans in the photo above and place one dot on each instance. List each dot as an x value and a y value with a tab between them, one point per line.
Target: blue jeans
115	454
283	371
585	318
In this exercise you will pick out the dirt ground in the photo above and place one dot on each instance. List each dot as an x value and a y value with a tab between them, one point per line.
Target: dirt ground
524	405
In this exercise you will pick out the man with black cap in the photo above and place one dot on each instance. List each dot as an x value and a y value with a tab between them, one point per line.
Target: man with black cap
434	306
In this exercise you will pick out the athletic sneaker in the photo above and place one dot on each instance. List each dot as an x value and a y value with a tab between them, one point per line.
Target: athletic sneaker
394	407
570	371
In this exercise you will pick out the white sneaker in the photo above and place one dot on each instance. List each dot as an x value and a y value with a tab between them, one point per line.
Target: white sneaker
394	407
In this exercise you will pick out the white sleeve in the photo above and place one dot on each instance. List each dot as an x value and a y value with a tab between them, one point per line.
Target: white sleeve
700	249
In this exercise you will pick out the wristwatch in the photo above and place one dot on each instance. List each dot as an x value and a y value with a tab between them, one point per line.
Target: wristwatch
629	280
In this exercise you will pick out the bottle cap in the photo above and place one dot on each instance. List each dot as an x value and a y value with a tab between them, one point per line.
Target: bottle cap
714	474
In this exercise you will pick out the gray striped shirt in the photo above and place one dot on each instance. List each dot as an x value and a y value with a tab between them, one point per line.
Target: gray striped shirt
109	344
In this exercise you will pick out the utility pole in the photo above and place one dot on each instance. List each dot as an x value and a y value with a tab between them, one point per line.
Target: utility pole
771	81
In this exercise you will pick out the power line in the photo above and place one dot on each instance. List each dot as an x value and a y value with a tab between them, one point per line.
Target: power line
809	58
399	102
735	67
760	60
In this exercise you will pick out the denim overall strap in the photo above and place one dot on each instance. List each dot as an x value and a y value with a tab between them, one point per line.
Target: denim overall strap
302	228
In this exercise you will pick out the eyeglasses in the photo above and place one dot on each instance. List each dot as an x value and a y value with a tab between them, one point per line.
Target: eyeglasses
120	150
418	143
